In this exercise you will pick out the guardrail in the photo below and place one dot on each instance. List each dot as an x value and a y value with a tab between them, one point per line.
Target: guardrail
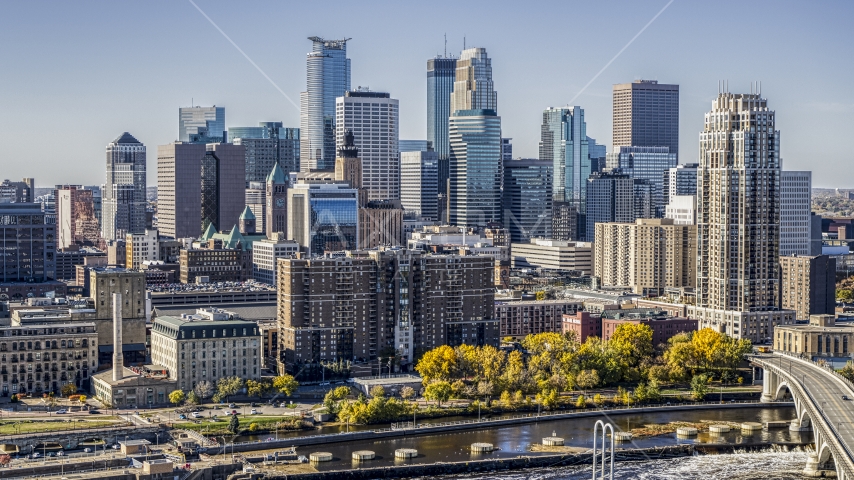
496	421
848	466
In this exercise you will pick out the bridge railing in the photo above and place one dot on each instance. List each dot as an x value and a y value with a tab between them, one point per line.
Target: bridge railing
825	366
836	438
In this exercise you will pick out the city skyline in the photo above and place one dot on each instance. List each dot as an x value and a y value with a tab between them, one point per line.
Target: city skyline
90	89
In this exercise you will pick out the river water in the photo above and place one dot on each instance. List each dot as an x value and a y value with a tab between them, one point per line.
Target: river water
512	441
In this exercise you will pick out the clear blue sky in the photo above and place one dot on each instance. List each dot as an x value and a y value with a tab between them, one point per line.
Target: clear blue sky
75	75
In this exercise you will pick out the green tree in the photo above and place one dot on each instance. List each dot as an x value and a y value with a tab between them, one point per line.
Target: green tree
176	397
630	344
226	387
845	295
234	425
438	391
68	389
285	384
581	402
597	399
505	399
193	398
548	399
699	386
332	400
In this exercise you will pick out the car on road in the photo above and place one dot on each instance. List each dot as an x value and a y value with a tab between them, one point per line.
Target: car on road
231	405
115	446
94	412
845	397
324	384
182	417
196	415
253	404
253	412
51	454
35	455
87	450
60	453
62	410
234	412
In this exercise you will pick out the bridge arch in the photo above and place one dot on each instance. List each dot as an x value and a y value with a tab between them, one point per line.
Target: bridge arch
782	387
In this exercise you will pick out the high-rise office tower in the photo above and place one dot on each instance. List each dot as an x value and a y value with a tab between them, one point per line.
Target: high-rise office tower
564	142
475	140
199	185
527	199
124	201
327	78
645	163
414	145
795	208
419	184
680	180
738	219
372	118
808	284
223	191
610	198
201	122
646	114
441	75
598	155
276	195
506	149
29	248
265	145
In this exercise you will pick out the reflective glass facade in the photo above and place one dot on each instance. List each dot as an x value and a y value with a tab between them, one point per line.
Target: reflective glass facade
441	73
328	77
475	168
527	199
645	163
210	119
27	244
323	217
124	200
564	143
419	184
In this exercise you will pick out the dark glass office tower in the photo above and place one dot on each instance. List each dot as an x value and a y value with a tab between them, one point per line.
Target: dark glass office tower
441	73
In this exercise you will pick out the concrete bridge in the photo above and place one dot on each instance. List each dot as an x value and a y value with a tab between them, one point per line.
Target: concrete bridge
818	394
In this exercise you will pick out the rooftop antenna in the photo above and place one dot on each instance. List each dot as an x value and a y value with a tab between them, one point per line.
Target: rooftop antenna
446	45
760	88
464	42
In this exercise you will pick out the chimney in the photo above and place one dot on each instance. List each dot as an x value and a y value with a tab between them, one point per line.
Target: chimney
118	361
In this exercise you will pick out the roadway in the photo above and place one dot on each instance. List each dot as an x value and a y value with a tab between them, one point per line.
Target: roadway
827	391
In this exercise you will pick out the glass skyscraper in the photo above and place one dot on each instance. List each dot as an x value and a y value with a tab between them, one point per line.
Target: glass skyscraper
474	132
441	74
564	142
645	163
207	122
267	144
327	78
528	199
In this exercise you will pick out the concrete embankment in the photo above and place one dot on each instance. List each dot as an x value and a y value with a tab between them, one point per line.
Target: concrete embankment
427	429
489	465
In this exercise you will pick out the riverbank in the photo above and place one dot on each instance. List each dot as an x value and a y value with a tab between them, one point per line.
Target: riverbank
407	431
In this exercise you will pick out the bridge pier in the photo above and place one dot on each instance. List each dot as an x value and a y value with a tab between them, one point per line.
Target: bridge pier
770	384
800	425
816	469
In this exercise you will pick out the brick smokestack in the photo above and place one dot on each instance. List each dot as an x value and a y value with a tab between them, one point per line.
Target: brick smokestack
118	361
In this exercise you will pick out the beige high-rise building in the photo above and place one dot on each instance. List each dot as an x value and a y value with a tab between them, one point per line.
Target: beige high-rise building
808	285
738	220
647	256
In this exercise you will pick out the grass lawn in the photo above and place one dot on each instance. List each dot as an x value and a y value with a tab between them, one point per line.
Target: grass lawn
264	422
10	427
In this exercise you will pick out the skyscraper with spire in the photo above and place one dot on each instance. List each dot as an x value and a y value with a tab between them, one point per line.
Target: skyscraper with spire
327	78
474	131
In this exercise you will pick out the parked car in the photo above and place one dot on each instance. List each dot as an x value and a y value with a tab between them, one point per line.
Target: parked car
60	453
51	454
36	455
323	384
234	412
231	405
182	417
253	404
87	450
94	412
196	415
61	410
253	412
